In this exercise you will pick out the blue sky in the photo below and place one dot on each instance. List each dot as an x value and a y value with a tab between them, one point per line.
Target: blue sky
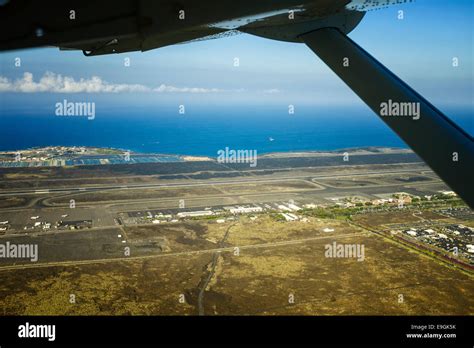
419	49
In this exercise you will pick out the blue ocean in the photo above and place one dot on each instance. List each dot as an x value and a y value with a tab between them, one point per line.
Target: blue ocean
205	130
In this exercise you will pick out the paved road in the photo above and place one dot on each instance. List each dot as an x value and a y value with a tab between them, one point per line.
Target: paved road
194	184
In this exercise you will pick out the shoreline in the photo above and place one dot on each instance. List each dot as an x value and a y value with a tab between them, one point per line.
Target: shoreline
105	151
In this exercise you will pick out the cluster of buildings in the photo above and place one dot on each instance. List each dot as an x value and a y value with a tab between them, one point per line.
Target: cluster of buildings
455	239
285	209
293	217
46	156
463	213
244	209
219	214
37	224
58	156
198	213
398	198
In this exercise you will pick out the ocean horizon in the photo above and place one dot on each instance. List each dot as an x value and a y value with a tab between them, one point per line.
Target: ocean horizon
204	131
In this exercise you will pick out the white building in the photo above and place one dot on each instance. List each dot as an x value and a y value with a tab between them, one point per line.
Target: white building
163	217
284	207
195	213
448	193
246	210
293	207
288	217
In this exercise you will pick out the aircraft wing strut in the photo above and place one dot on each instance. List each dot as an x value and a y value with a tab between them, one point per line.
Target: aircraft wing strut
443	145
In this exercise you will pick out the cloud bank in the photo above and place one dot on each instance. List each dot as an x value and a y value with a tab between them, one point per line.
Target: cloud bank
56	83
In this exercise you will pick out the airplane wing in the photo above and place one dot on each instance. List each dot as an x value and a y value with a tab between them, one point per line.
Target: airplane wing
107	27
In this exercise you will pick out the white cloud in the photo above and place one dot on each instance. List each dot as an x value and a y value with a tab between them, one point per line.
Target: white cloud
271	91
171	89
56	83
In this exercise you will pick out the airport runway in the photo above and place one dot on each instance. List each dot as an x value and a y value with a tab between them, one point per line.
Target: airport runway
194	184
